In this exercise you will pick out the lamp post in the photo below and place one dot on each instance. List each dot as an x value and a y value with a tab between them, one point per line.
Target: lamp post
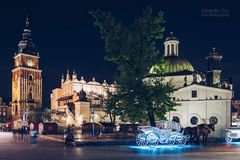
92	117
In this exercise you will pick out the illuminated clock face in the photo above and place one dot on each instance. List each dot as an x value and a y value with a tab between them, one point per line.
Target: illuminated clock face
29	62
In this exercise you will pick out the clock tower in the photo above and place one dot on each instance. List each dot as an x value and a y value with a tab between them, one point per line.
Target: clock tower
26	77
214	69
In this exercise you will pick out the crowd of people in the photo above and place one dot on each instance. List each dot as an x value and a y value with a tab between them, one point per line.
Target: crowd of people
31	135
25	134
5	128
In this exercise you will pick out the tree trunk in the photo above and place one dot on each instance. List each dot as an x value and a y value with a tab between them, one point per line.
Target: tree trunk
111	119
151	119
114	117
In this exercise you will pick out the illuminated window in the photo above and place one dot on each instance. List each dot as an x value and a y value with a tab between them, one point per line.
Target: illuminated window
194	120
213	120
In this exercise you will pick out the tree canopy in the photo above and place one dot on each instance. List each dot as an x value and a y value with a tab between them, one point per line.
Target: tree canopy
133	48
38	115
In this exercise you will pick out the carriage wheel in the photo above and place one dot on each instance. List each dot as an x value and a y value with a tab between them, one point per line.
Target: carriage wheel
228	139
141	139
152	139
171	140
181	140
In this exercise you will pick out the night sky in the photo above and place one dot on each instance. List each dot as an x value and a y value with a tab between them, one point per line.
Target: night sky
66	38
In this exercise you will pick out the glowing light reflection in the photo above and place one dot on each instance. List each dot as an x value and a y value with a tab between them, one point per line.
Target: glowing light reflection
233	143
161	148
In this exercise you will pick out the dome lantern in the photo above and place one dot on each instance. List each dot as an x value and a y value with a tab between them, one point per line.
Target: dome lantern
171	46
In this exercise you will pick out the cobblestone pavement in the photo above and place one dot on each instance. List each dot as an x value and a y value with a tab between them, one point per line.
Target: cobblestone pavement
16	149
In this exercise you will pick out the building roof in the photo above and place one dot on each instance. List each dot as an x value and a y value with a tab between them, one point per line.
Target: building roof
204	86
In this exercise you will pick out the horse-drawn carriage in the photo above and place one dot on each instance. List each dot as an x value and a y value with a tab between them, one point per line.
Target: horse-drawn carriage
165	132
232	133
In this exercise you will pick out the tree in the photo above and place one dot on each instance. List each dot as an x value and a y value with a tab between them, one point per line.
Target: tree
47	115
38	115
133	49
111	107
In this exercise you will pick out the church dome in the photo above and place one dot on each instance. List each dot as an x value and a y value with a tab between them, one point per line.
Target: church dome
94	82
175	65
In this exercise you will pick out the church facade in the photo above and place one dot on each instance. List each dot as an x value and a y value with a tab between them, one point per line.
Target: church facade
203	98
26	77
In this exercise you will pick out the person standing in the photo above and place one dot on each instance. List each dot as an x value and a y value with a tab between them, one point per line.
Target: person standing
21	133
33	138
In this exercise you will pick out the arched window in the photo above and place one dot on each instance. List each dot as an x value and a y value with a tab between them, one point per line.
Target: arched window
30	77
172	49
168	49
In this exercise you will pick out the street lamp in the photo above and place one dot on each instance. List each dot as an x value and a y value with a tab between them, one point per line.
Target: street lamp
92	118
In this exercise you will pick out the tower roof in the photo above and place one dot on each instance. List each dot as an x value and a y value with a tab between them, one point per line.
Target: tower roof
171	37
26	44
214	54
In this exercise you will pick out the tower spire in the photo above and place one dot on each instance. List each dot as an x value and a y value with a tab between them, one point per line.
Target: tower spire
68	75
26	44
74	75
27	22
26	31
62	79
